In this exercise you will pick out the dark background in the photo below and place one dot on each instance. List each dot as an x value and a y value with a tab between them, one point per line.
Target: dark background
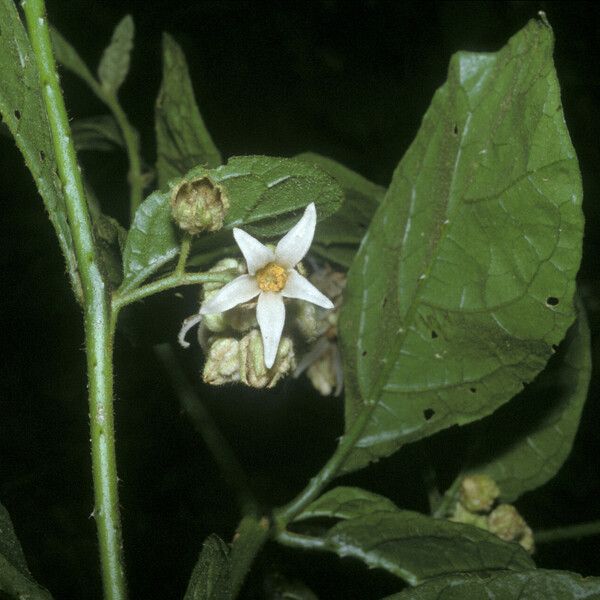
350	80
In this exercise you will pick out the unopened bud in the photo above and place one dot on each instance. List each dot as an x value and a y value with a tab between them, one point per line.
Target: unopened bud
253	371
324	373
506	522
223	362
478	493
199	205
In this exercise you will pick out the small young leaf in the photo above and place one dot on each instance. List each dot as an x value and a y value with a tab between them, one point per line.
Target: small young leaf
99	133
114	64
338	237
266	196
506	585
69	58
210	578
525	443
22	109
408	544
15	578
182	139
465	279
151	242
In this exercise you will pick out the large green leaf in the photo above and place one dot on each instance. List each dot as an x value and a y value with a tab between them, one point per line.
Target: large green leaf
529	585
114	64
182	139
408	544
266	196
22	109
465	279
15	578
527	441
338	237
210	578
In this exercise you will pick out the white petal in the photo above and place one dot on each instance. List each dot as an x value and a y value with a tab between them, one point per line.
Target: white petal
238	291
185	327
299	287
295	243
270	314
257	255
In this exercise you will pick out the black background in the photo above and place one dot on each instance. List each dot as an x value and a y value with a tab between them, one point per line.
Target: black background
350	80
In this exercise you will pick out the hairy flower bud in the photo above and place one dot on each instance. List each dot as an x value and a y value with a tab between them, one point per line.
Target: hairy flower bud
506	522
199	205
223	362
478	493
253	371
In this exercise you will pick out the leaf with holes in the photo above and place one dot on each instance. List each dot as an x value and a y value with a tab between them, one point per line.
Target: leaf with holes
15	578
114	64
409	545
465	279
526	442
338	237
266	196
22	109
506	585
182	139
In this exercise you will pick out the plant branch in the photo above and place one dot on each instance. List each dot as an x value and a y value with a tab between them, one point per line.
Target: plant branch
98	320
560	534
166	283
135	176
282	516
297	540
224	456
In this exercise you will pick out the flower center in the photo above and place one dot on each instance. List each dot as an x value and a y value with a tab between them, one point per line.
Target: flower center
271	278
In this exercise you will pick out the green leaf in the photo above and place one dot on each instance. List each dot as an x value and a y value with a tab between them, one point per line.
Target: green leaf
528	585
114	64
211	575
526	442
151	243
465	279
182	138
22	109
99	133
266	196
408	544
69	58
110	239
15	578
338	237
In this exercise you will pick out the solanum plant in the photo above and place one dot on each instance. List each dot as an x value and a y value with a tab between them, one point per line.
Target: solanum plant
422	306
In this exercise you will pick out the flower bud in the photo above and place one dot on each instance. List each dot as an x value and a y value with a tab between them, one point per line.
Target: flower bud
478	493
325	373
253	371
223	362
199	205
506	522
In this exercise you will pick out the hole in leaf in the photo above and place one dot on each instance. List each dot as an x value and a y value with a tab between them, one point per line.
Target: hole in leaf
552	300
433	334
428	413
384	302
455	129
554	347
364	352
473	390
17	114
362	225
42	155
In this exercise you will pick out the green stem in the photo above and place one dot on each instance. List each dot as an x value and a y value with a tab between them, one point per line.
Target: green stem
224	456
186	246
132	146
297	540
559	534
98	320
166	283
282	516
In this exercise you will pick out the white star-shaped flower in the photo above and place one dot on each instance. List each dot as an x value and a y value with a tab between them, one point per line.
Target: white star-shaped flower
272	277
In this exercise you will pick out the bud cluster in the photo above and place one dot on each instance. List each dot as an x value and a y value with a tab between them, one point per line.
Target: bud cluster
476	498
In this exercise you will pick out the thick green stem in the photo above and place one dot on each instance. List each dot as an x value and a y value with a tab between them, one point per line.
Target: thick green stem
132	146
285	514
98	320
570	532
